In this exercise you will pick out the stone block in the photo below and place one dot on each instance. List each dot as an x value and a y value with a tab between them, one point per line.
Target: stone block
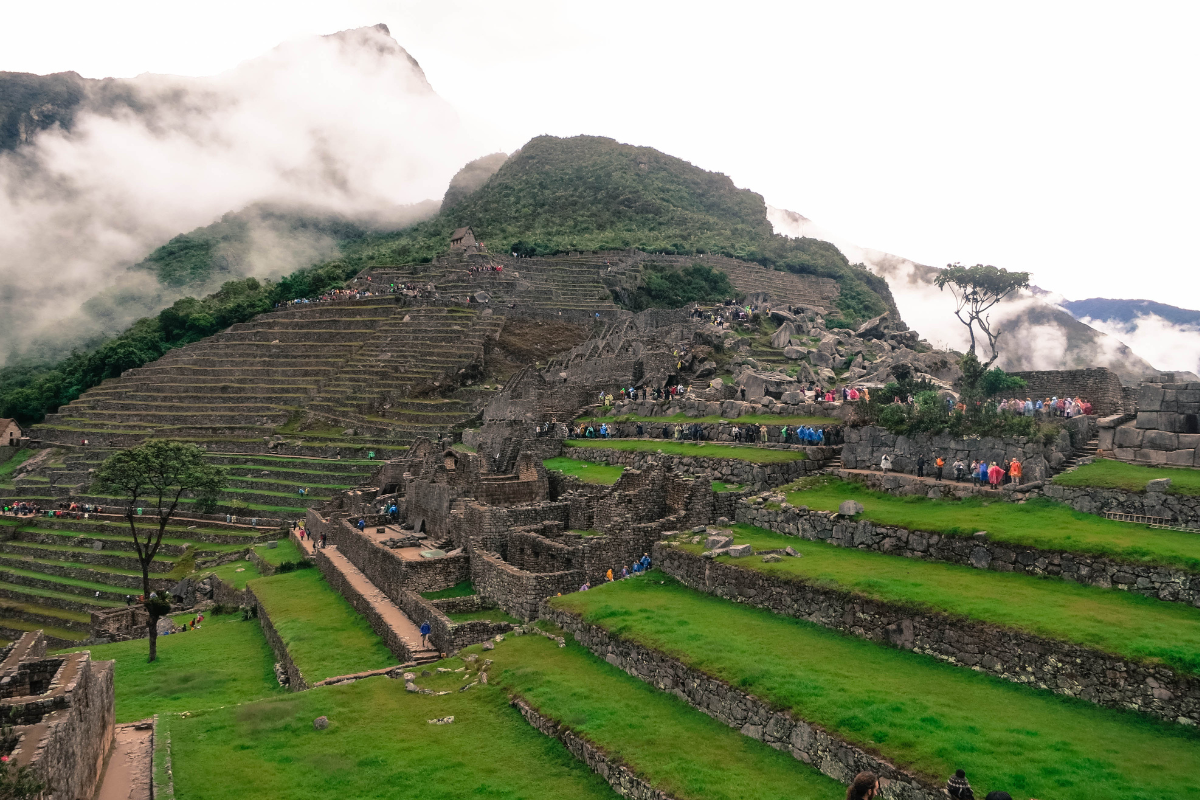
1189	441
849	508
1128	436
741	551
717	542
321	723
1160	440
1182	458
1147	420
771	558
1106	438
794	353
1150	398
1159	485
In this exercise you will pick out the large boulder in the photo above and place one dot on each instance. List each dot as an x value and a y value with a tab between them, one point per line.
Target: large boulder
794	353
876	328
783	335
849	508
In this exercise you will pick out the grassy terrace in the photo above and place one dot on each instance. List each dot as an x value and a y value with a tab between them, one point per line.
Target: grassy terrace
237	574
1038	523
1129	625
777	420
755	455
1107	474
929	716
379	746
224	662
323	634
463	589
586	471
285	551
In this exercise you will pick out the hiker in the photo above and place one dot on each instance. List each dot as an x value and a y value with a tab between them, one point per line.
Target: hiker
958	787
609	575
362	524
959	470
645	562
940	464
425	629
921	466
864	786
322	541
885	463
1014	472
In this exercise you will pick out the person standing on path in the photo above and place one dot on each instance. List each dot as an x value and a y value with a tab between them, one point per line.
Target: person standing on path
885	463
1014	472
425	629
921	466
940	464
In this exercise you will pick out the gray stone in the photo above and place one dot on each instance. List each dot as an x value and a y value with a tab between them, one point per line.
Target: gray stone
272	545
717	542
772	558
848	508
321	723
741	550
794	353
1158	485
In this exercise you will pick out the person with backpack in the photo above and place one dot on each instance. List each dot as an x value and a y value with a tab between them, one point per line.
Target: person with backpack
425	629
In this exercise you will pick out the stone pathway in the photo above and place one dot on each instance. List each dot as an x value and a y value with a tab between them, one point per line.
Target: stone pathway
964	485
395	619
127	774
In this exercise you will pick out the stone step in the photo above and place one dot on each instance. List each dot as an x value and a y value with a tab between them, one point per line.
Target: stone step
114	559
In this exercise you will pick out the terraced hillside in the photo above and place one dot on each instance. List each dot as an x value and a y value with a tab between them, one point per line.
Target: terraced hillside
327	374
54	571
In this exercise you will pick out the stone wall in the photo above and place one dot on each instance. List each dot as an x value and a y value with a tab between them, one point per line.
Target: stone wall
363	605
865	447
1167	429
1183	509
624	781
388	570
1165	583
446	635
806	742
727	470
1006	653
296	681
516	591
791	404
1099	386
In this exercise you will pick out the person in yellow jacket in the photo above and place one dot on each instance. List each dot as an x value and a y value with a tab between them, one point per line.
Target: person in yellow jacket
608	575
940	464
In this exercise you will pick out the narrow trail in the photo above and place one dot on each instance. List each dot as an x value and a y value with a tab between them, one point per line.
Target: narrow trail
130	764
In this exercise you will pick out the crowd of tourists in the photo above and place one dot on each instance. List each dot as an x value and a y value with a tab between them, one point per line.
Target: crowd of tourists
865	786
742	433
979	473
486	268
343	295
1066	407
639	567
22	508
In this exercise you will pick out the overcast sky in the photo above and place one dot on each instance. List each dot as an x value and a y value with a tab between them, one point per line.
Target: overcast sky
1056	138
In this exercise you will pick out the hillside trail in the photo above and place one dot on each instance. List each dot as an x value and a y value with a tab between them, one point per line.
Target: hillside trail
130	761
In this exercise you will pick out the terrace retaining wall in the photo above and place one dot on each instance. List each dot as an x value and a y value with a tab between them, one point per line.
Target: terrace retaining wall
340	583
727	470
296	681
1013	655
624	781
1165	583
1182	508
806	742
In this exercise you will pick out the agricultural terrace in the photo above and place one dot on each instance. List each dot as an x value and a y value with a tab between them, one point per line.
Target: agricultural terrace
1128	625
1105	473
1037	523
224	662
755	455
928	716
770	420
323	634
586	471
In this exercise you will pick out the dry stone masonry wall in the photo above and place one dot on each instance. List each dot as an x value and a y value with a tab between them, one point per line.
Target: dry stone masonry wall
727	470
1009	654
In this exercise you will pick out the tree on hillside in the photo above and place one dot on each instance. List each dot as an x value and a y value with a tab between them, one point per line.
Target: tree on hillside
977	289
153	477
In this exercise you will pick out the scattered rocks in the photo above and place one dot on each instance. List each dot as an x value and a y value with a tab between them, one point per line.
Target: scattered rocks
321	723
489	645
717	542
741	551
1158	485
772	558
442	721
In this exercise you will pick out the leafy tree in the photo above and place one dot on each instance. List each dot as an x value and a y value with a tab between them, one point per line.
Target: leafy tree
157	473
977	289
663	287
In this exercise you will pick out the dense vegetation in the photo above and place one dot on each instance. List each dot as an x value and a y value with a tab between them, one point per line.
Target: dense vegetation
663	287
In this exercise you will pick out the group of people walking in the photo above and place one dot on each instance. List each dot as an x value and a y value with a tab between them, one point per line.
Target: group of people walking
979	472
1066	407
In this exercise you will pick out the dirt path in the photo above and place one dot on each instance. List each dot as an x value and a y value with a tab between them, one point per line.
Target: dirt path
127	773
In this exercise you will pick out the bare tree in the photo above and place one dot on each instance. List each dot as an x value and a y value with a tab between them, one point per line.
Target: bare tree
157	474
977	289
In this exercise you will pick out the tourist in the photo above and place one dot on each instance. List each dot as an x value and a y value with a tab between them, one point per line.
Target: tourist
959	470
958	788
921	466
425	629
940	464
995	474
609	575
624	572
322	541
585	587
1014	472
645	562
982	474
864	786
885	463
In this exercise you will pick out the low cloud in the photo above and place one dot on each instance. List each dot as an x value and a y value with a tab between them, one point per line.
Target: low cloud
344	124
1168	345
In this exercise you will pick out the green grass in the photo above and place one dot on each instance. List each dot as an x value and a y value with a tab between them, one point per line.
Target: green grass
230	575
14	460
285	551
379	746
492	614
1040	523
323	634
680	750
462	589
1128	625
224	662
929	716
721	486
754	455
586	471
776	420
1108	474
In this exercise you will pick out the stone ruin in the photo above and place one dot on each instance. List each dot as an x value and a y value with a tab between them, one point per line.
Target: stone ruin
60	709
1165	432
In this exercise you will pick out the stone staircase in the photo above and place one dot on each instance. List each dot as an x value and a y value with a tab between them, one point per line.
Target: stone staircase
1087	452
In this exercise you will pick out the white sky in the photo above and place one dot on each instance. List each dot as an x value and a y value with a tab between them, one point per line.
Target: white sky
1056	138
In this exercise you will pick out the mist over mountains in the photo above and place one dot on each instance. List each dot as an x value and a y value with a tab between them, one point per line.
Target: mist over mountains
1038	333
331	131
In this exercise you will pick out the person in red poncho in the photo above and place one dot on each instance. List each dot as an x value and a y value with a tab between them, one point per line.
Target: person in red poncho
995	475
